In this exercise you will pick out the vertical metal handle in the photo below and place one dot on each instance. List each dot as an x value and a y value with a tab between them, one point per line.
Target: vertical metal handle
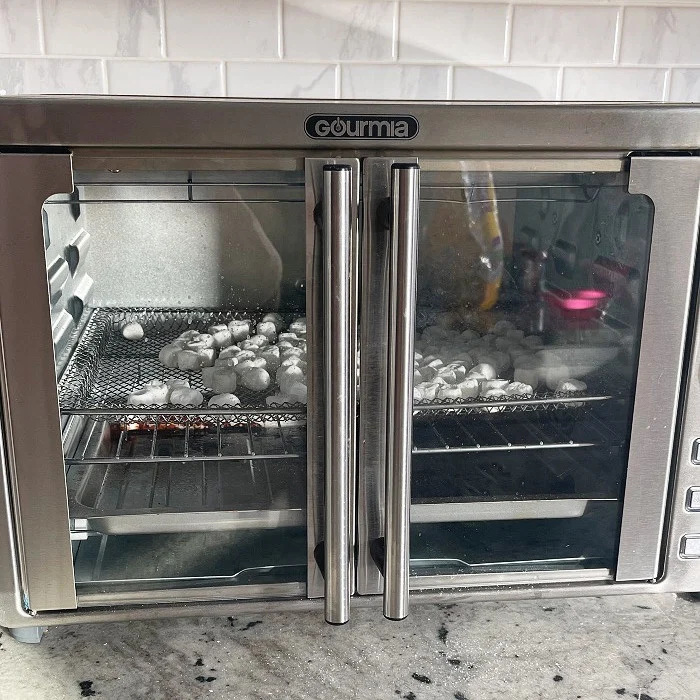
402	313
337	238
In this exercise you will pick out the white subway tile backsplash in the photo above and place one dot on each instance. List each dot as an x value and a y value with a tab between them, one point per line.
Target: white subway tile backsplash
452	31
382	82
338	29
102	27
306	80
19	27
613	84
563	34
685	85
174	78
505	83
661	35
50	76
222	29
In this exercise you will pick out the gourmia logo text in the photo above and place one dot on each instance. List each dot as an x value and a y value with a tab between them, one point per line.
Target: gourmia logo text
361	126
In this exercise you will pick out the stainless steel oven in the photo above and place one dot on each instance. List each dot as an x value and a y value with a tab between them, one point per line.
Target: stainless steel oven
289	355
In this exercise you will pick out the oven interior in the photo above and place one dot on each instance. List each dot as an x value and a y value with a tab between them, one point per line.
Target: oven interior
173	496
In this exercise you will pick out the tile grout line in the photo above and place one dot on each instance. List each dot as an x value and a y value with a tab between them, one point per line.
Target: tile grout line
41	27
665	93
509	34
161	21
395	29
280	29
223	78
105	76
560	84
618	34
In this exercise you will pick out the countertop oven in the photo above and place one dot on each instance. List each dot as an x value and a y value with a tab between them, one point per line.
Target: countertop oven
453	347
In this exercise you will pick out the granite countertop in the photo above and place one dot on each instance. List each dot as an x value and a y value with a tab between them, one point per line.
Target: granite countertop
617	647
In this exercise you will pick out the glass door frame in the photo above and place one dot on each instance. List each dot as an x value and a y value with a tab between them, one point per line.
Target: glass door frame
38	532
672	185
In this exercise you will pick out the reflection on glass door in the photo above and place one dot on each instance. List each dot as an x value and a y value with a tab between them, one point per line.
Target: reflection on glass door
530	293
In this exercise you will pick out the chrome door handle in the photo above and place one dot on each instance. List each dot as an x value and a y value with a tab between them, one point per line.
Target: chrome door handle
338	390
402	313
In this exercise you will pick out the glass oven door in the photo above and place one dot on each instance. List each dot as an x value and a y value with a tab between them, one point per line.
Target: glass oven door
190	321
536	318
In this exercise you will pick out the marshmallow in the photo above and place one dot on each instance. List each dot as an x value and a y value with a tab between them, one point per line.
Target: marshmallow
222	380
243	367
298	326
173	384
213	330
271	355
240	329
532	341
287	375
516	335
188	360
502	327
267	329
274	318
256	379
249	345
485	369
427	373
207	356
226	362
208	376
231	351
223	338
153	393
494	394
449	392
518	389
569	385
184	396
491	384
168	355
291	352
469	388
297	392
133	331
468	336
224	400
429	390
188	335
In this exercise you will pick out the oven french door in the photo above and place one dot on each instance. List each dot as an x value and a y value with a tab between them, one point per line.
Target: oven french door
522	335
103	508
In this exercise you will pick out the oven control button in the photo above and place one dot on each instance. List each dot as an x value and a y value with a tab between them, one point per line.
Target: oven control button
695	452
692	499
690	547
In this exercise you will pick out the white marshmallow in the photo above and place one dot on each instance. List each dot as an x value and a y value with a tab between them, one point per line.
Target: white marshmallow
223	338
275	318
502	327
213	330
153	393
570	385
271	355
485	369
297	392
427	373
207	376
532	341
231	351
168	355
188	335
298	326
291	352
469	335
249	345
256	379
240	329
207	356
188	360
518	389
183	396
223	380
267	329
494	394
227	399
226	362
469	388
133	331
287	375
430	390
259	340
245	355
516	335
449	392
491	384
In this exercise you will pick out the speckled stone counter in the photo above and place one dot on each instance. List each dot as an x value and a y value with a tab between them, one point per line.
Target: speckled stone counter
644	647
